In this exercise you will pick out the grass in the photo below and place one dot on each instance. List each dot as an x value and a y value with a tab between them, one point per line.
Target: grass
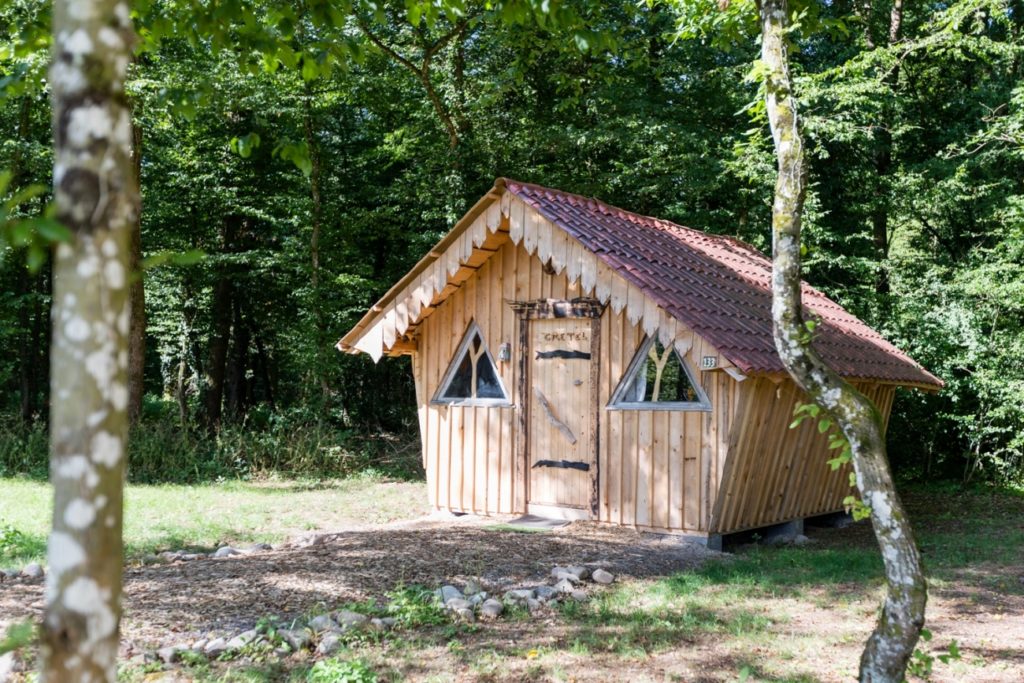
165	517
766	613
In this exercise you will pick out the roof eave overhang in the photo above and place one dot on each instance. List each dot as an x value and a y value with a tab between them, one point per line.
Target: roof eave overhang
347	343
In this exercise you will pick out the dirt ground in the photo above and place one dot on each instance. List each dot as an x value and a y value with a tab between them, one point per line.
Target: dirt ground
821	633
181	601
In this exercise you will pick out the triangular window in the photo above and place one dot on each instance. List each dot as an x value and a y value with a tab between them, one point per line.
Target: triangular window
472	378
659	379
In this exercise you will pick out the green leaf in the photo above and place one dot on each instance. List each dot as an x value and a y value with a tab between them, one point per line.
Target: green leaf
824	424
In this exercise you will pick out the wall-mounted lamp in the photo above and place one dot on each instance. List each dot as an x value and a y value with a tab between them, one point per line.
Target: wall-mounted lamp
505	352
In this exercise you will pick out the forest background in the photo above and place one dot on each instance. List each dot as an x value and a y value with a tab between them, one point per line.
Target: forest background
288	181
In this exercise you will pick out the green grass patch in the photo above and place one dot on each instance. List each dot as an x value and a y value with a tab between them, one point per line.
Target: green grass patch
201	517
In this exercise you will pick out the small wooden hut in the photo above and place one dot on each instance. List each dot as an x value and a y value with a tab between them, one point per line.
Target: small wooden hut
573	359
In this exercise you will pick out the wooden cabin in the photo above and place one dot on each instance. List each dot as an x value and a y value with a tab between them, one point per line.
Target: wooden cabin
573	359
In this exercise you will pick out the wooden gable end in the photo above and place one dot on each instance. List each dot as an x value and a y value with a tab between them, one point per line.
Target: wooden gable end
390	326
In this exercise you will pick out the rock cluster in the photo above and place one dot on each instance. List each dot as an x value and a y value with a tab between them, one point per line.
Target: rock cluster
220	553
324	634
564	583
32	571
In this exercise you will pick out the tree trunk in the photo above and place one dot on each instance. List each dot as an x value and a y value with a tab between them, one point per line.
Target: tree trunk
217	368
220	338
137	296
899	625
96	195
237	393
320	353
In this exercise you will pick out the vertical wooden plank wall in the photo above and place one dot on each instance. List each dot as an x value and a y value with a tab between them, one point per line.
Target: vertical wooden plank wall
659	469
774	473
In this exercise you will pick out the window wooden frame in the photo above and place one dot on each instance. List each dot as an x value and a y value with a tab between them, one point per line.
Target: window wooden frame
453	366
617	402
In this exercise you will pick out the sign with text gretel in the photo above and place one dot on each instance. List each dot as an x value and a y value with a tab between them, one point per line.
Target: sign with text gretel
569	335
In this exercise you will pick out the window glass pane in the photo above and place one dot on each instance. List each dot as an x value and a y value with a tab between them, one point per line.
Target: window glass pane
460	382
659	377
459	385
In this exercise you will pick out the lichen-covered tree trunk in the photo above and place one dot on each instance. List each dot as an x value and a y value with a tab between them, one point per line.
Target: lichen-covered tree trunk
96	193
899	625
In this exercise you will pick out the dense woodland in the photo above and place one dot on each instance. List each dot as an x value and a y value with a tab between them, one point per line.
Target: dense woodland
287	182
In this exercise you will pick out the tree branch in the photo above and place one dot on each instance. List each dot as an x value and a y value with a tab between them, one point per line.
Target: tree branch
422	71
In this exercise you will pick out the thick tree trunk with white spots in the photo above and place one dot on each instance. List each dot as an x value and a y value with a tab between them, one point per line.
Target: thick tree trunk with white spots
97	199
899	625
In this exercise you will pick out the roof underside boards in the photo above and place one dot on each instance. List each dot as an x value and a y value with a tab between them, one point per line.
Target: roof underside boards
658	271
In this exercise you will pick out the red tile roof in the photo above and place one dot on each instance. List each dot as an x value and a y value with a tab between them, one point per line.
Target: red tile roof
719	287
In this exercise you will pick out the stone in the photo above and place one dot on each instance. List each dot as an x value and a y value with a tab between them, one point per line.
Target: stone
243	639
309	541
151	559
478	598
466	615
565	586
556	572
376	625
603	577
169	556
322	623
351	620
533	605
215	648
800	540
256	547
10	573
32	571
579	595
226	551
297	639
191	557
472	586
170	654
390	622
329	644
545	592
581	573
519	594
199	645
449	592
566	576
455	604
491	609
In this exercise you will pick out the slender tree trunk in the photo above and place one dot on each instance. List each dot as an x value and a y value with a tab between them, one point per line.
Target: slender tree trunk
320	353
220	339
27	369
238	364
899	625
137	295
96	195
28	372
883	165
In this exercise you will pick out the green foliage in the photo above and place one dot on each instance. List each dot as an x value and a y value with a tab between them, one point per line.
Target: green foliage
247	111
341	671
18	635
416	606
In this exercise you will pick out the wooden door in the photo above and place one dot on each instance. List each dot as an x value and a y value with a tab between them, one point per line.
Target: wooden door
560	451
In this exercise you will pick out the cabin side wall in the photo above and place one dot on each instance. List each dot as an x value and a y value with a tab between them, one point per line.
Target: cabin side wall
774	474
